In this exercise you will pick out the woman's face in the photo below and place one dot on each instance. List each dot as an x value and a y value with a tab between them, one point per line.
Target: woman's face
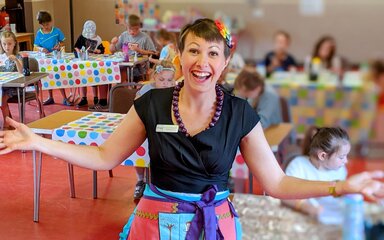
164	79
326	49
202	62
8	45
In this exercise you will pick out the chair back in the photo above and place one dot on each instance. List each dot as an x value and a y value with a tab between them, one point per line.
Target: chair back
33	65
121	97
29	96
106	47
285	110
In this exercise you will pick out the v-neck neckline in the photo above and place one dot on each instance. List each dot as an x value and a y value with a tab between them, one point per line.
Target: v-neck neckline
170	121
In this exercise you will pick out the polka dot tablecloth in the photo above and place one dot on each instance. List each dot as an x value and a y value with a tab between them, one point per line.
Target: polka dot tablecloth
67	73
95	128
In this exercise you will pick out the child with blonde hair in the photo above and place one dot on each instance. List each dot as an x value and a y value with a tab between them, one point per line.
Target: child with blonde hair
10	61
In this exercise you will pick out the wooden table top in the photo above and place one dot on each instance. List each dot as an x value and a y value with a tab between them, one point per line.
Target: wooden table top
275	134
48	124
24	81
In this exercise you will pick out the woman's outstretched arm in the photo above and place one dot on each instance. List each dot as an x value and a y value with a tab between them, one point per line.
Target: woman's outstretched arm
262	163
127	137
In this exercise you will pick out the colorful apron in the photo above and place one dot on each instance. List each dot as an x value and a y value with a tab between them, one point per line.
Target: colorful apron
168	215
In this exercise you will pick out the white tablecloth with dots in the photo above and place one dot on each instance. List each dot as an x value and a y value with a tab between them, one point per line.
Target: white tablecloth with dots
71	72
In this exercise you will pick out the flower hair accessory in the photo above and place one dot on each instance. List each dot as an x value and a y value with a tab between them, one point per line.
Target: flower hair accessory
160	68
225	33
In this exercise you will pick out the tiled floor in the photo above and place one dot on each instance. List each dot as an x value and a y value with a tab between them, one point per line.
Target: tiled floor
62	217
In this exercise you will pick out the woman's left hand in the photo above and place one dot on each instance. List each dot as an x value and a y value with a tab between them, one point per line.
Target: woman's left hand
367	184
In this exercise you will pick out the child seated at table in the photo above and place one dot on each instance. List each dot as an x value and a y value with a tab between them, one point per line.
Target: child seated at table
49	38
138	43
10	61
279	59
325	51
91	42
163	77
325	152
168	51
168	46
250	85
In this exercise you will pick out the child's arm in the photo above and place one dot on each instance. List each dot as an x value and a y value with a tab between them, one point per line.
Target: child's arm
303	206
58	46
142	51
153	60
37	45
112	46
60	40
17	61
40	49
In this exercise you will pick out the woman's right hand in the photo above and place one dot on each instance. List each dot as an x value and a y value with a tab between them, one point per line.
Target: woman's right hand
21	138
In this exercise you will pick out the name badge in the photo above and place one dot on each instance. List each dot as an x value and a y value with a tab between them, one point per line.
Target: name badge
167	128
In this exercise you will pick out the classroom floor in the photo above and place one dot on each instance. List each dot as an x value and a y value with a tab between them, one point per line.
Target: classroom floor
83	217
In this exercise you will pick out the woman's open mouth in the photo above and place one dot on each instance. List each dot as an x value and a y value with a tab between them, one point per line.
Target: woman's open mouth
201	76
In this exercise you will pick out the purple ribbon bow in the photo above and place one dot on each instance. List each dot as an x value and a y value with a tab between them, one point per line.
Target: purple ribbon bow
205	216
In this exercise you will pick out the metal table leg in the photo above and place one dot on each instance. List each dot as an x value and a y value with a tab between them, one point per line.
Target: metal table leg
36	184
71	181
94	184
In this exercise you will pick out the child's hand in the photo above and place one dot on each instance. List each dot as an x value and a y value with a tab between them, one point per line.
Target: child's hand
44	50
12	57
97	51
134	47
314	211
114	40
56	47
275	62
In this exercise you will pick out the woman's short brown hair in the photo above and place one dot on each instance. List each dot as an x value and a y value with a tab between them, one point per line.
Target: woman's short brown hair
203	28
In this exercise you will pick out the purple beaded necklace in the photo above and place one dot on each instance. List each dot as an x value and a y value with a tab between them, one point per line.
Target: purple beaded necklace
176	113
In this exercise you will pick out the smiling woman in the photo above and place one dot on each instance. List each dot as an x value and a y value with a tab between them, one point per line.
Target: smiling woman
194	130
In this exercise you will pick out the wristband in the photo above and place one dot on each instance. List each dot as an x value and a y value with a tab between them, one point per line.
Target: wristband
332	189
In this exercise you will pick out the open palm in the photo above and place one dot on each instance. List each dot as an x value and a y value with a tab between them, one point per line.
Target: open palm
21	138
366	184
